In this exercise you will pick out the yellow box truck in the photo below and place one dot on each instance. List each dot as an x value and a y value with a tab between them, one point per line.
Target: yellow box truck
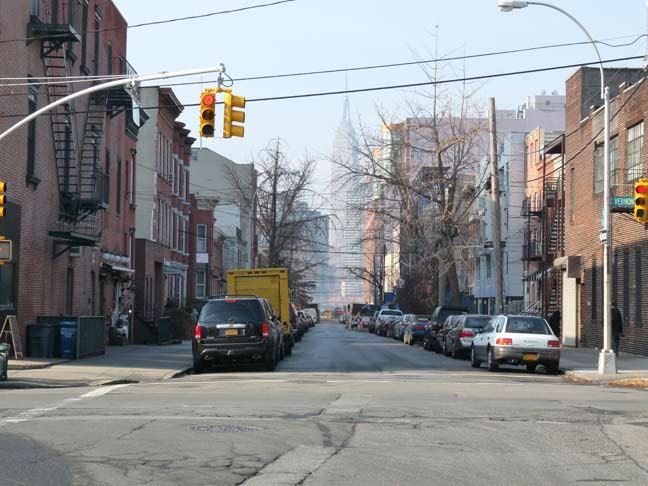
269	283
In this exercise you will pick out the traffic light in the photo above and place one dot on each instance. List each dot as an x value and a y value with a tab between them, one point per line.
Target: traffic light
5	250
207	114
3	198
232	116
641	201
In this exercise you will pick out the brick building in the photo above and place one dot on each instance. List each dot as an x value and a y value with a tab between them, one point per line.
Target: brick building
69	173
583	278
163	207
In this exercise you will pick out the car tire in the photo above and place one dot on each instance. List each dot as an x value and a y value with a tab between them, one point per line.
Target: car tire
426	345
410	341
198	366
474	362
491	363
444	348
553	368
453	351
270	360
531	367
288	350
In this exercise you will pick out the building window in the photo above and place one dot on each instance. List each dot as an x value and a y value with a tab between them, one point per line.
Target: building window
118	194
201	238
109	61
7	286
572	194
84	33
614	162
201	285
626	285
489	271
183	240
638	287
69	293
634	144
97	24
32	106
599	160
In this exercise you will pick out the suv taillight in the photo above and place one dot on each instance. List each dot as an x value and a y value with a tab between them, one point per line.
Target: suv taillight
464	333
198	333
265	330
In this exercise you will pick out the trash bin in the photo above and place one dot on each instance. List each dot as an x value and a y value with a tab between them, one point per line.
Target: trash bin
68	339
4	359
41	340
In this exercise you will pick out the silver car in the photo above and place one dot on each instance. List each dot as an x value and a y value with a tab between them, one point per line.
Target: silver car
516	340
460	338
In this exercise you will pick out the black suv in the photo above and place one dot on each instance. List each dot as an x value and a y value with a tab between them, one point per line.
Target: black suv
237	329
436	321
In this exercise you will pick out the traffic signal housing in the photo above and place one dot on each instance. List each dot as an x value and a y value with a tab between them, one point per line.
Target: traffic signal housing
641	201
207	113
3	198
232	116
5	250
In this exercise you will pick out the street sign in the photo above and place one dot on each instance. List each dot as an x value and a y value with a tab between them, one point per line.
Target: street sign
5	251
621	204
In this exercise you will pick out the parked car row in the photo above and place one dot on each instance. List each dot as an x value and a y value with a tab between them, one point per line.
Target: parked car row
244	330
519	340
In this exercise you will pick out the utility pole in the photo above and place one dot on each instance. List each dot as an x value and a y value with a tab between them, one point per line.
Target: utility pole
496	214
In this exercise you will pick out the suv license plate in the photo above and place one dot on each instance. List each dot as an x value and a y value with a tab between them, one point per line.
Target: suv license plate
231	332
529	357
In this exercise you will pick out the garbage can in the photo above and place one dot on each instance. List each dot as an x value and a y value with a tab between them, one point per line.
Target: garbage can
4	359
41	340
68	339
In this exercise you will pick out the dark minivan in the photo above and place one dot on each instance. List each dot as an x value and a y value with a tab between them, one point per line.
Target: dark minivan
236	330
437	319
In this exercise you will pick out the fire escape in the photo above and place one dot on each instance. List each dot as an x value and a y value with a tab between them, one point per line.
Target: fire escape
83	186
544	238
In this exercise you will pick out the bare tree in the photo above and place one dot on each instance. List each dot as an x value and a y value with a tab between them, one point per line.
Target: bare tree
287	227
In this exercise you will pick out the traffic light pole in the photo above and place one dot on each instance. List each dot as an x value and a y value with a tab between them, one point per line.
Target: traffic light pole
133	81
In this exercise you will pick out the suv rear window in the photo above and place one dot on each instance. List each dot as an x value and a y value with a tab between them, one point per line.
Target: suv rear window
233	310
392	313
527	325
444	313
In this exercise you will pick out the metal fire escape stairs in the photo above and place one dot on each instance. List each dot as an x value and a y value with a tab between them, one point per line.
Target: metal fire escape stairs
77	224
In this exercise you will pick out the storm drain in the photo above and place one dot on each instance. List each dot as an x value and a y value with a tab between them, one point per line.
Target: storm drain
232	429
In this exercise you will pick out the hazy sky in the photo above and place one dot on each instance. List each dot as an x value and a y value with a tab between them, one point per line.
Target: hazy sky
308	35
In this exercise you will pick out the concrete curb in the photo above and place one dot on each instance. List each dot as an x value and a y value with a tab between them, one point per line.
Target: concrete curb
13	365
25	385
176	374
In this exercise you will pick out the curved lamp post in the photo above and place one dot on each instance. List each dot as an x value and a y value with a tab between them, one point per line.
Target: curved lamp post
607	361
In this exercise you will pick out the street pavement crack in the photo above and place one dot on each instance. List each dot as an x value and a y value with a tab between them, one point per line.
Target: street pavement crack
621	448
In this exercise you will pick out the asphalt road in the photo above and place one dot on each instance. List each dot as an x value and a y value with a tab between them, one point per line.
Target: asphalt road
347	408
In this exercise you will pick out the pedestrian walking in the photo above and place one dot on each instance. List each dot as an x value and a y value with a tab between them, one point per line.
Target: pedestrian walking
617	328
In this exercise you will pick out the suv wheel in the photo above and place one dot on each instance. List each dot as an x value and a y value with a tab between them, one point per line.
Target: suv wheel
198	365
270	360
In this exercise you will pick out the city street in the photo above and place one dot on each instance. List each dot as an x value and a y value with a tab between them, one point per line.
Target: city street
347	408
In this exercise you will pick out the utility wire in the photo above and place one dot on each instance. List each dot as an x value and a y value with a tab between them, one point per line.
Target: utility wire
380	88
59	79
167	21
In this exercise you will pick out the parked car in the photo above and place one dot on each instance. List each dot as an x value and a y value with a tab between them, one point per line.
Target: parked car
449	323
399	327
237	330
386	320
296	323
415	329
516	340
460	337
437	319
372	322
311	314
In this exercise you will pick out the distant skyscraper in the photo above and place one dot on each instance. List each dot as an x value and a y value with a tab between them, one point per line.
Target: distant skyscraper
347	227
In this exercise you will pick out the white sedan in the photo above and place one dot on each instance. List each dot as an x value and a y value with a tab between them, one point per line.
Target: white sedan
516	340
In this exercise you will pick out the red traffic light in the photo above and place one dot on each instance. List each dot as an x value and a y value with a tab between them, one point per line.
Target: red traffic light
208	99
641	189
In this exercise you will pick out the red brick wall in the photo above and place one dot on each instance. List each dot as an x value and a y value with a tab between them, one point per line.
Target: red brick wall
581	232
41	277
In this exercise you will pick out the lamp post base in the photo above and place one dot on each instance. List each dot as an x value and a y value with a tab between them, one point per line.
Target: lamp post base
607	362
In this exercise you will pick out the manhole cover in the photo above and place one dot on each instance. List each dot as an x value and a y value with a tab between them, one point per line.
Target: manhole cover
223	428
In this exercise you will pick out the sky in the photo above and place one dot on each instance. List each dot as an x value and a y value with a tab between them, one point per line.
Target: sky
311	35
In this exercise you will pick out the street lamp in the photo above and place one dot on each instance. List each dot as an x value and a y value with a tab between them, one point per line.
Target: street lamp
607	361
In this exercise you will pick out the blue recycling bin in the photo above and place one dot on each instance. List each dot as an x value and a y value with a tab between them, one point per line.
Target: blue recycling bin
68	339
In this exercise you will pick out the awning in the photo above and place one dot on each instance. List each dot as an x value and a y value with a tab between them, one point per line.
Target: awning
123	271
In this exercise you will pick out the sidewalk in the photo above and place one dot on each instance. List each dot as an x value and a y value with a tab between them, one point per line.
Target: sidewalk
581	364
119	364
